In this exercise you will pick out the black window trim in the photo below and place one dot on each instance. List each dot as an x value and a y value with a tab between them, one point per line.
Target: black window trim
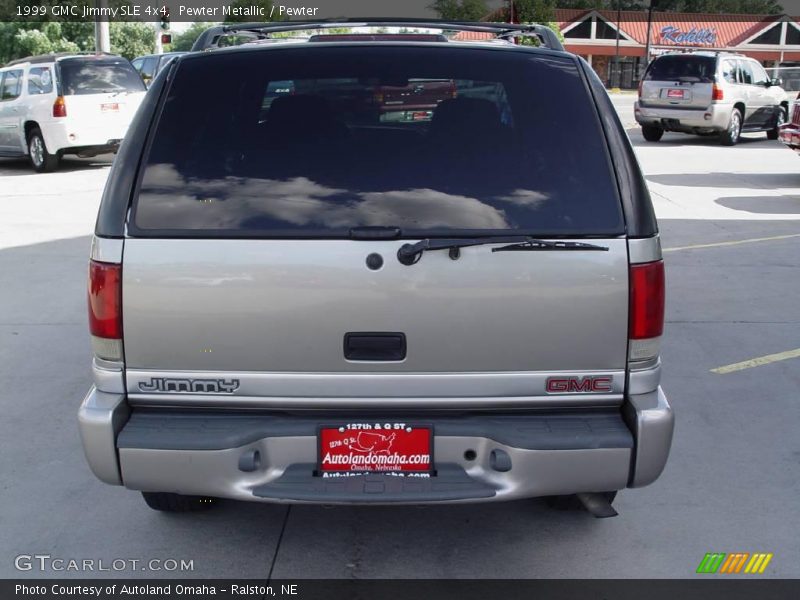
637	206
131	230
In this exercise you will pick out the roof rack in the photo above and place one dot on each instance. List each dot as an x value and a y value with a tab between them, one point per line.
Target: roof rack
41	58
698	50
211	37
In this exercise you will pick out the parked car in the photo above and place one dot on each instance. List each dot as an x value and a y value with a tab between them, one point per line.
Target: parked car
59	104
708	93
151	65
319	305
789	133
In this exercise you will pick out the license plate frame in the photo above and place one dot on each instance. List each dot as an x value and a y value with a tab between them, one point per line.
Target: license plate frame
374	439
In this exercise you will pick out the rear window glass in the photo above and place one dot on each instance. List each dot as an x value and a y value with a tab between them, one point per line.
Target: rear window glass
309	143
79	77
689	69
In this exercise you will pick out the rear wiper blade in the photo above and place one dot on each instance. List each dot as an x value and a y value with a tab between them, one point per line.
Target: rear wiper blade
545	245
408	254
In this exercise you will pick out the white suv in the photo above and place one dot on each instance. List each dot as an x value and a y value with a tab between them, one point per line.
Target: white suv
54	104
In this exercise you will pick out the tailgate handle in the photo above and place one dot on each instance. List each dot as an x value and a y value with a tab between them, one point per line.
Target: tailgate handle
374	346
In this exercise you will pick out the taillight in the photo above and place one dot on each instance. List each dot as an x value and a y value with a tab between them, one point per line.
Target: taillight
639	88
377	96
59	107
105	309
453	89
716	92
646	309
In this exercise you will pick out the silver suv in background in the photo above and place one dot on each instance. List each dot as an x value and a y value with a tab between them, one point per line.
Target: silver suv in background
709	93
294	299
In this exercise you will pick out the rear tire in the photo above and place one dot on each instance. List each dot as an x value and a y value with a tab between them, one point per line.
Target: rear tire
168	502
571	501
772	134
730	136
41	160
652	133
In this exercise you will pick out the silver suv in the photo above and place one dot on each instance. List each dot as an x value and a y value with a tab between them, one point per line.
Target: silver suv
293	299
707	93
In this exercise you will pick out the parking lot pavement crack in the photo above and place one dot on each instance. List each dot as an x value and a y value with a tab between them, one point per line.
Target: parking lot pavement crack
278	543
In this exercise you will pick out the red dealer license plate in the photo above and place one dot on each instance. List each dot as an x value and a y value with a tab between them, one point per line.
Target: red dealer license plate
370	447
110	107
675	94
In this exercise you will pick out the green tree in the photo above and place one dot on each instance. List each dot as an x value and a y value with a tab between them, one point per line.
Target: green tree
534	11
30	42
183	42
79	32
460	10
132	39
25	39
756	7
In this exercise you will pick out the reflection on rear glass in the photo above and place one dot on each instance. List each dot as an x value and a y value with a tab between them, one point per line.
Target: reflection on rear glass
79	77
315	143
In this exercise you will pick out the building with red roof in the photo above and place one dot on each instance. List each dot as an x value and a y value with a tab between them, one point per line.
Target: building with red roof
615	42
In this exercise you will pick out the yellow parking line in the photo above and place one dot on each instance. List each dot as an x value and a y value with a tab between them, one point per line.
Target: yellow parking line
757	362
734	243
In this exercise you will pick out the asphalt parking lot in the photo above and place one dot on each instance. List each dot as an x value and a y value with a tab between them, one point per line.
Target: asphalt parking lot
730	222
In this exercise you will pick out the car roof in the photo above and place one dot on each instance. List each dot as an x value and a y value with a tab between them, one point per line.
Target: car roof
57	56
706	53
176	53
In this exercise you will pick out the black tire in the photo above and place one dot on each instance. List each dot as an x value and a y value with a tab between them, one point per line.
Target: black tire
772	134
571	501
168	502
652	133
730	136
41	160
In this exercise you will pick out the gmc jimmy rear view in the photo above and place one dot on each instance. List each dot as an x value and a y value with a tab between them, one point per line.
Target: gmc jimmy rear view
295	299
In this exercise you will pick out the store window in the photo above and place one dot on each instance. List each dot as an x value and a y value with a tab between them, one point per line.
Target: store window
792	35
770	36
605	31
581	31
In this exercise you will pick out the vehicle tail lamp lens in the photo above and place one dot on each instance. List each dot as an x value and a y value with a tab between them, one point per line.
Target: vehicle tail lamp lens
716	93
59	107
105	309
646	309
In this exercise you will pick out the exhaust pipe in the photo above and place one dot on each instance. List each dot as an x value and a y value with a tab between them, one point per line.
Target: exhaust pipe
597	505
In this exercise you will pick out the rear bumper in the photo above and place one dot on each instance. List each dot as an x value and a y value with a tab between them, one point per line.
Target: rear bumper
516	456
714	118
69	137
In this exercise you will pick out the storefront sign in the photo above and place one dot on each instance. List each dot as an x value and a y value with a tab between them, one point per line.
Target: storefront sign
705	36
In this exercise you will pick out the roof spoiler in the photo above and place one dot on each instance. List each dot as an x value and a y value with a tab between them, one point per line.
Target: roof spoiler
53	56
212	37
